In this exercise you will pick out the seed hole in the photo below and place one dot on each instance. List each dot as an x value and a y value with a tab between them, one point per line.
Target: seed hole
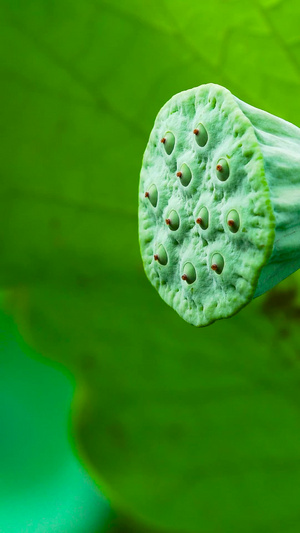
233	221
189	273
203	219
185	175
213	103
152	195
168	142
222	169
201	135
173	220
161	255
217	263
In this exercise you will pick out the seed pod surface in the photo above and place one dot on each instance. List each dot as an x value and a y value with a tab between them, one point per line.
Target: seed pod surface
226	245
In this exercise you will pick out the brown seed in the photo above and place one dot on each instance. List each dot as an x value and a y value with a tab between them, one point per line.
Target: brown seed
179	174
184	277
199	220
196	131
147	194
219	168
230	222
214	266
155	257
168	221
163	140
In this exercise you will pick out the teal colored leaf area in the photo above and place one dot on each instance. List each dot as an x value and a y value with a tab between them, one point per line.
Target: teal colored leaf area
43	487
185	430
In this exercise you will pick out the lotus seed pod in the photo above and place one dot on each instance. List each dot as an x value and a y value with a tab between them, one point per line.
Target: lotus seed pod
228	208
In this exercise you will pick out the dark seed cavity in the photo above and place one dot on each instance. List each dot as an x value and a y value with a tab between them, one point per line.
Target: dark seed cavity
152	194
189	273
185	175
217	263
222	169
173	220
169	142
203	219
233	221
161	256
201	135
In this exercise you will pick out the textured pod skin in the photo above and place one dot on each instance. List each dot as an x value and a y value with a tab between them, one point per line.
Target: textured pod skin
279	142
248	164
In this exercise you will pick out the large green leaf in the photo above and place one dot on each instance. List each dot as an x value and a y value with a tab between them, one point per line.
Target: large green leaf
186	429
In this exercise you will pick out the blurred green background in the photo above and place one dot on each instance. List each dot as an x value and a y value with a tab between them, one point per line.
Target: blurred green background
184	430
42	485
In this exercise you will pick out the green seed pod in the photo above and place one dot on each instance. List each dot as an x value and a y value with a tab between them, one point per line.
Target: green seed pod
244	197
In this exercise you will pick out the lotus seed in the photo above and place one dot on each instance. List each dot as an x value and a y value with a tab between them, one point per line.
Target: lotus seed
244	167
169	142
233	221
201	135
161	256
173	221
222	169
152	194
189	273
217	263
185	175
202	220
